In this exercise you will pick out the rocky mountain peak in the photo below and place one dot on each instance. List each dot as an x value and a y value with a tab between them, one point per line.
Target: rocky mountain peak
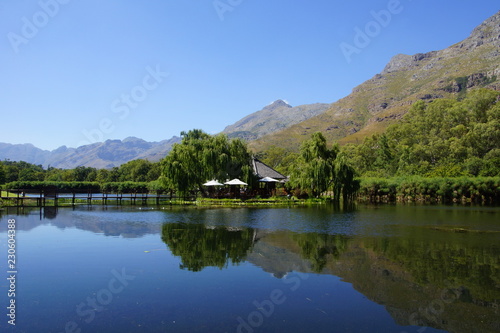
487	33
274	117
407	62
278	104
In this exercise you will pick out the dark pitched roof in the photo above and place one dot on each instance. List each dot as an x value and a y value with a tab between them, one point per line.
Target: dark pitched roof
263	170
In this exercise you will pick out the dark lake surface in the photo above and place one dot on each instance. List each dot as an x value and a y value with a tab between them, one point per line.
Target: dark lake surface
399	268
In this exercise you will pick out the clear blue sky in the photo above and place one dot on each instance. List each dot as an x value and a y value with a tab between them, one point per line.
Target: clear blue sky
151	69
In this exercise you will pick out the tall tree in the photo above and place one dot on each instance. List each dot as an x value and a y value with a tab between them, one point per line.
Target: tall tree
201	157
320	168
315	166
2	174
136	171
344	182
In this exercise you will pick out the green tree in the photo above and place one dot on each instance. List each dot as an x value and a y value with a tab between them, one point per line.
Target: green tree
136	171
344	181
201	157
279	159
2	174
444	137
103	176
11	172
22	171
314	168
319	168
53	174
29	174
154	172
82	174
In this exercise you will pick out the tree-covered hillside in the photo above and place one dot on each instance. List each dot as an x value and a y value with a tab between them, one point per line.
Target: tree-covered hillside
444	138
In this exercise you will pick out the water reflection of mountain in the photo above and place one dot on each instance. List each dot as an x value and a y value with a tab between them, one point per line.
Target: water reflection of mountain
450	283
68	219
436	277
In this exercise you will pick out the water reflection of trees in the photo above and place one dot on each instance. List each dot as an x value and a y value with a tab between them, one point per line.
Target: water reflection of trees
458	261
200	246
320	248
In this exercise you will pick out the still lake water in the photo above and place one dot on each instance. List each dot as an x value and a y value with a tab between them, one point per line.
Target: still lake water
305	269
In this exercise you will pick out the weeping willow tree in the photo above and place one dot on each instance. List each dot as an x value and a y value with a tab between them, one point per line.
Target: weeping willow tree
343	179
201	157
314	167
200	246
319	169
320	249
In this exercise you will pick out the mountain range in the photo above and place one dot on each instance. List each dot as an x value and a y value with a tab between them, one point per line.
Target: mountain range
385	98
369	109
105	155
276	116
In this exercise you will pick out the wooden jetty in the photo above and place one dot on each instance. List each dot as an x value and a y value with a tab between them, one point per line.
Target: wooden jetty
52	197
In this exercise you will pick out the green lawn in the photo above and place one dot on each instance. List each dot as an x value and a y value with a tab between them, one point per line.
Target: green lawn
7	194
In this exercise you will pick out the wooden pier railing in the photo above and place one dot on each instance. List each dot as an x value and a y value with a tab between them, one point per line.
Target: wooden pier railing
52	197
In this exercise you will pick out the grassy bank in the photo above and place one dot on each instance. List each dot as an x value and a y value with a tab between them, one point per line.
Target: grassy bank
274	201
6	194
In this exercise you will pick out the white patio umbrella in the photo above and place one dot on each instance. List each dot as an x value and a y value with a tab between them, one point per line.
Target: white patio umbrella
213	183
268	180
235	181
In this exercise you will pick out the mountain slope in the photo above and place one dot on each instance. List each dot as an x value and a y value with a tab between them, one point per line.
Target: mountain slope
112	153
386	97
369	109
23	152
108	154
275	117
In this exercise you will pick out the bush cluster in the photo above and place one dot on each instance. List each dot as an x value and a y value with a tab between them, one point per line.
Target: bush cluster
443	189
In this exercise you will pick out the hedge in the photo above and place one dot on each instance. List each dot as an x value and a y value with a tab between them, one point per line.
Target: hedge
473	189
84	187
